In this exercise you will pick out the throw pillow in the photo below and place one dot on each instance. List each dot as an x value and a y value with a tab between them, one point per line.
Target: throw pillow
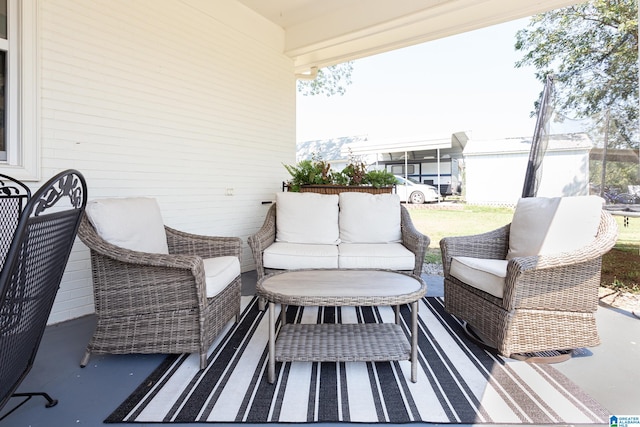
130	223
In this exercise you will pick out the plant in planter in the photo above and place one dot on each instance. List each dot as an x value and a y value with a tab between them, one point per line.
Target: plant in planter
380	178
355	171
356	174
316	175
309	172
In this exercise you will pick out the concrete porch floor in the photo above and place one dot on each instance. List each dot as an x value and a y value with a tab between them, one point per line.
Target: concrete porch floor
610	373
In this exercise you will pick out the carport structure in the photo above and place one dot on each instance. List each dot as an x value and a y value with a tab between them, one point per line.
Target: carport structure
432	161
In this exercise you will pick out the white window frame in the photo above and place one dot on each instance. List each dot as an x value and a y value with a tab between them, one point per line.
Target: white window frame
22	92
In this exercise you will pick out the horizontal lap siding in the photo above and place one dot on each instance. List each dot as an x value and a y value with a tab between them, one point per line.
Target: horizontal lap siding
166	99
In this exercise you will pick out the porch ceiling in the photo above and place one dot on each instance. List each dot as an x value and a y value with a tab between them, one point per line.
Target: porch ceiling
326	32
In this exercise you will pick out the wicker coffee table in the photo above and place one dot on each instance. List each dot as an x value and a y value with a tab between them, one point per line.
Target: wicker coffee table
341	342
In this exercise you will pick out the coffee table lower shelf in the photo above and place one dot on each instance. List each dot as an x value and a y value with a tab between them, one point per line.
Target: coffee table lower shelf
372	342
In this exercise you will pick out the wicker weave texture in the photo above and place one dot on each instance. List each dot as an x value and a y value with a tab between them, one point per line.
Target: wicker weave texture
156	303
549	301
337	189
341	343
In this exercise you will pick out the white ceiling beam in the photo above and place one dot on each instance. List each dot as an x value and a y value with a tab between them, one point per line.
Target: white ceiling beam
326	40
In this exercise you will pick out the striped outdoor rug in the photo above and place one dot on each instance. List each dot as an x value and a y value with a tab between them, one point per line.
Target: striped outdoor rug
457	381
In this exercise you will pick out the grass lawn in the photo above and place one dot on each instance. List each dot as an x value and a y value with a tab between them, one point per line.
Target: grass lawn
462	220
621	266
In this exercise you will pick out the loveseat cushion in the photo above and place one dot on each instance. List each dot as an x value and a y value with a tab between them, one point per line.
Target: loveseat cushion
307	218
133	223
392	256
545	226
487	275
219	272
369	218
291	256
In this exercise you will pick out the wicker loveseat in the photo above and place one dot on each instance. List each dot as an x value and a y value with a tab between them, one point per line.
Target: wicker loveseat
532	285
157	290
349	230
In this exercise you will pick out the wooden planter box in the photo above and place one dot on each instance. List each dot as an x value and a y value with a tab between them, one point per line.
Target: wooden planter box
337	189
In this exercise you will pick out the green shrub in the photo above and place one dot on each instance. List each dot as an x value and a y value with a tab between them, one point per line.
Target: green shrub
380	178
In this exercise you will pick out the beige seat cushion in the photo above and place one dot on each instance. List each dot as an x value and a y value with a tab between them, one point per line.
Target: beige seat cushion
369	218
485	274
219	272
545	226
291	256
392	256
307	218
132	223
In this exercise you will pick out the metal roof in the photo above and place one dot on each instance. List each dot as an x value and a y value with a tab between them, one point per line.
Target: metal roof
578	141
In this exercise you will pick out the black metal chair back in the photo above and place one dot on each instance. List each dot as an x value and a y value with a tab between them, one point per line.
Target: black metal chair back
14	195
32	271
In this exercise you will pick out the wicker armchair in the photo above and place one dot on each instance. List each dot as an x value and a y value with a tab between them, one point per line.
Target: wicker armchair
157	303
549	301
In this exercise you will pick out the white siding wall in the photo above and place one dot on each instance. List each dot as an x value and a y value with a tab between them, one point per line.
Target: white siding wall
565	173
494	178
498	178
161	98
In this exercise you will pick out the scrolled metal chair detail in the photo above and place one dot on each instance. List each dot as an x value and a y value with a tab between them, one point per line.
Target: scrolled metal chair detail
42	232
66	185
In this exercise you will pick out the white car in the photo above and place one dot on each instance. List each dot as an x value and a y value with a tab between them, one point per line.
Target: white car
413	192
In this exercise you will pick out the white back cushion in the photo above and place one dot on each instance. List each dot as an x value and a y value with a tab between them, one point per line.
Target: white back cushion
369	218
307	218
544	226
131	223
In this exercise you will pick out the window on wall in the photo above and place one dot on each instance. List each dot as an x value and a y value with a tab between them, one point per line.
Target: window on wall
19	145
3	109
399	169
3	78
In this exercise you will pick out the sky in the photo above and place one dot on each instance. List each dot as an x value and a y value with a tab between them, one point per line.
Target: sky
466	83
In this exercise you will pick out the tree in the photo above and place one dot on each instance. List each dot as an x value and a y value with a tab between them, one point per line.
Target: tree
330	80
592	51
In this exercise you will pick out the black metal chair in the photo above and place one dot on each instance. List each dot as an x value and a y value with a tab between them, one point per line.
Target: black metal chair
14	195
45	230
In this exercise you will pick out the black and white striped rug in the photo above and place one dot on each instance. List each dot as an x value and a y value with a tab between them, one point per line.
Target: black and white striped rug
457	381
